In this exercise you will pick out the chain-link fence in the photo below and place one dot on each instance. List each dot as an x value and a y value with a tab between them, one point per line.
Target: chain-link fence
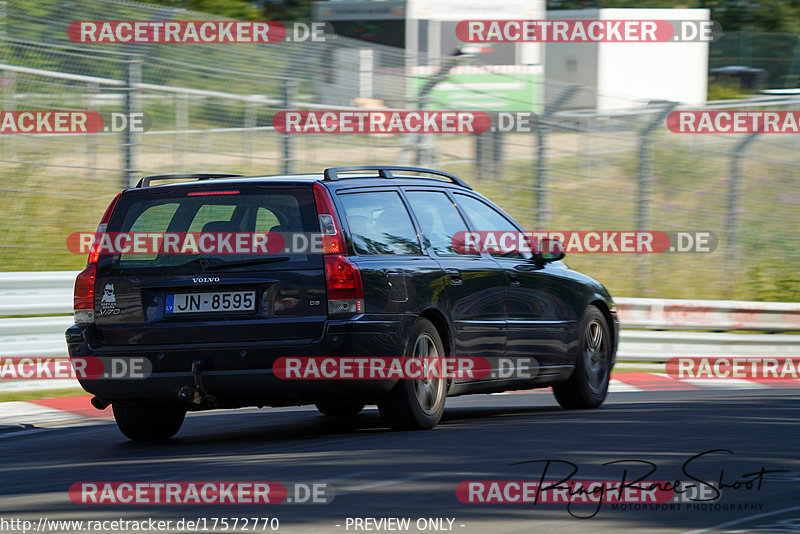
211	108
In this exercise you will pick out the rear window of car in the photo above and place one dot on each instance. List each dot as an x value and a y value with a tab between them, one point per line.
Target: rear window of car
247	209
379	223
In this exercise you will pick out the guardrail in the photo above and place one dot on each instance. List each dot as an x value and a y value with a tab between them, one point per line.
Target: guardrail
714	315
37	307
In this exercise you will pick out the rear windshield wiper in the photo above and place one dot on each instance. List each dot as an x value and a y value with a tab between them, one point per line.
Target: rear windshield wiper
245	263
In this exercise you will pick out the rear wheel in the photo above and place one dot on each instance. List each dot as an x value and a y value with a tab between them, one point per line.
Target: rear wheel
418	403
588	385
148	422
340	409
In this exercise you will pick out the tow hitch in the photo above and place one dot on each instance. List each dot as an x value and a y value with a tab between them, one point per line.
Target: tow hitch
197	394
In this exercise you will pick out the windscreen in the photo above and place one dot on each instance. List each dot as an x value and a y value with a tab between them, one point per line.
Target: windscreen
192	229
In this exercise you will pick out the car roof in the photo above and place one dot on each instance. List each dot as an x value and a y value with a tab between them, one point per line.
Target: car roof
351	180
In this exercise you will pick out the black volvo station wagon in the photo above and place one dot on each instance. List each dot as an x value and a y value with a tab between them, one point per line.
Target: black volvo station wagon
385	281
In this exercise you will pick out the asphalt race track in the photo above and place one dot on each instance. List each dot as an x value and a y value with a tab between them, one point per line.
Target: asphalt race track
382	474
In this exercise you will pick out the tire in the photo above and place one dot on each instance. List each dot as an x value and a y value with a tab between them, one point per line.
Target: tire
148	422
417	404
340	409
588	385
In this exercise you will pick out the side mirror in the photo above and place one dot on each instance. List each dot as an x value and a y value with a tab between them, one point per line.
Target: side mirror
551	250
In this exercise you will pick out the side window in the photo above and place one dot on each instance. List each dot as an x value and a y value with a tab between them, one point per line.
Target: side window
486	218
379	223
216	216
155	219
266	220
438	217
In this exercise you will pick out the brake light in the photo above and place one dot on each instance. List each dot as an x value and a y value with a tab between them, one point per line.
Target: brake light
345	290
342	277
210	193
94	253
83	297
332	238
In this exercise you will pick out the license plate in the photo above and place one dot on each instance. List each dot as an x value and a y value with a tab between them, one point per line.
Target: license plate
210	302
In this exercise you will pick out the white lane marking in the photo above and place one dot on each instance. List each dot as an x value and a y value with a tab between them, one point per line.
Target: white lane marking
30	429
43	384
725	383
614	386
28	413
382	483
742	520
617	386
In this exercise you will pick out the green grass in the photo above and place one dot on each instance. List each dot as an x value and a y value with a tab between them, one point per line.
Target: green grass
724	91
690	184
689	192
7	396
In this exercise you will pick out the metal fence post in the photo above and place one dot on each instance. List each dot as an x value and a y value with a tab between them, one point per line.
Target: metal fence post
542	129
734	197
10	104
645	186
249	134
3	15
287	93
181	125
91	145
133	78
488	153
479	161
497	153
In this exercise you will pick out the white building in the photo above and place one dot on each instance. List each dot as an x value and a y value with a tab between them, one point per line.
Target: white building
624	74
506	76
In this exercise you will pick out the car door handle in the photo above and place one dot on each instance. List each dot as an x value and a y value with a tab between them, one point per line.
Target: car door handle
513	279
454	275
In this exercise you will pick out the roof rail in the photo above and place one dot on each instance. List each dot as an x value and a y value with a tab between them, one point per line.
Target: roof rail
385	171
145	182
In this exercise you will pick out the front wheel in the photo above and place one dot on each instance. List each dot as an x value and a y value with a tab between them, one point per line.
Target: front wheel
415	404
141	422
588	385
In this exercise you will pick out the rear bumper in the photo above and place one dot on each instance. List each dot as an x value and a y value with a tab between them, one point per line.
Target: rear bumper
240	374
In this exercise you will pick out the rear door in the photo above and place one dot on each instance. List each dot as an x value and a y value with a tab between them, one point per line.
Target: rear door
471	290
199	297
396	275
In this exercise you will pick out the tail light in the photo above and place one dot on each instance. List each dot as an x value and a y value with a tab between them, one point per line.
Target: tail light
332	238
345	291
342	277
83	296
